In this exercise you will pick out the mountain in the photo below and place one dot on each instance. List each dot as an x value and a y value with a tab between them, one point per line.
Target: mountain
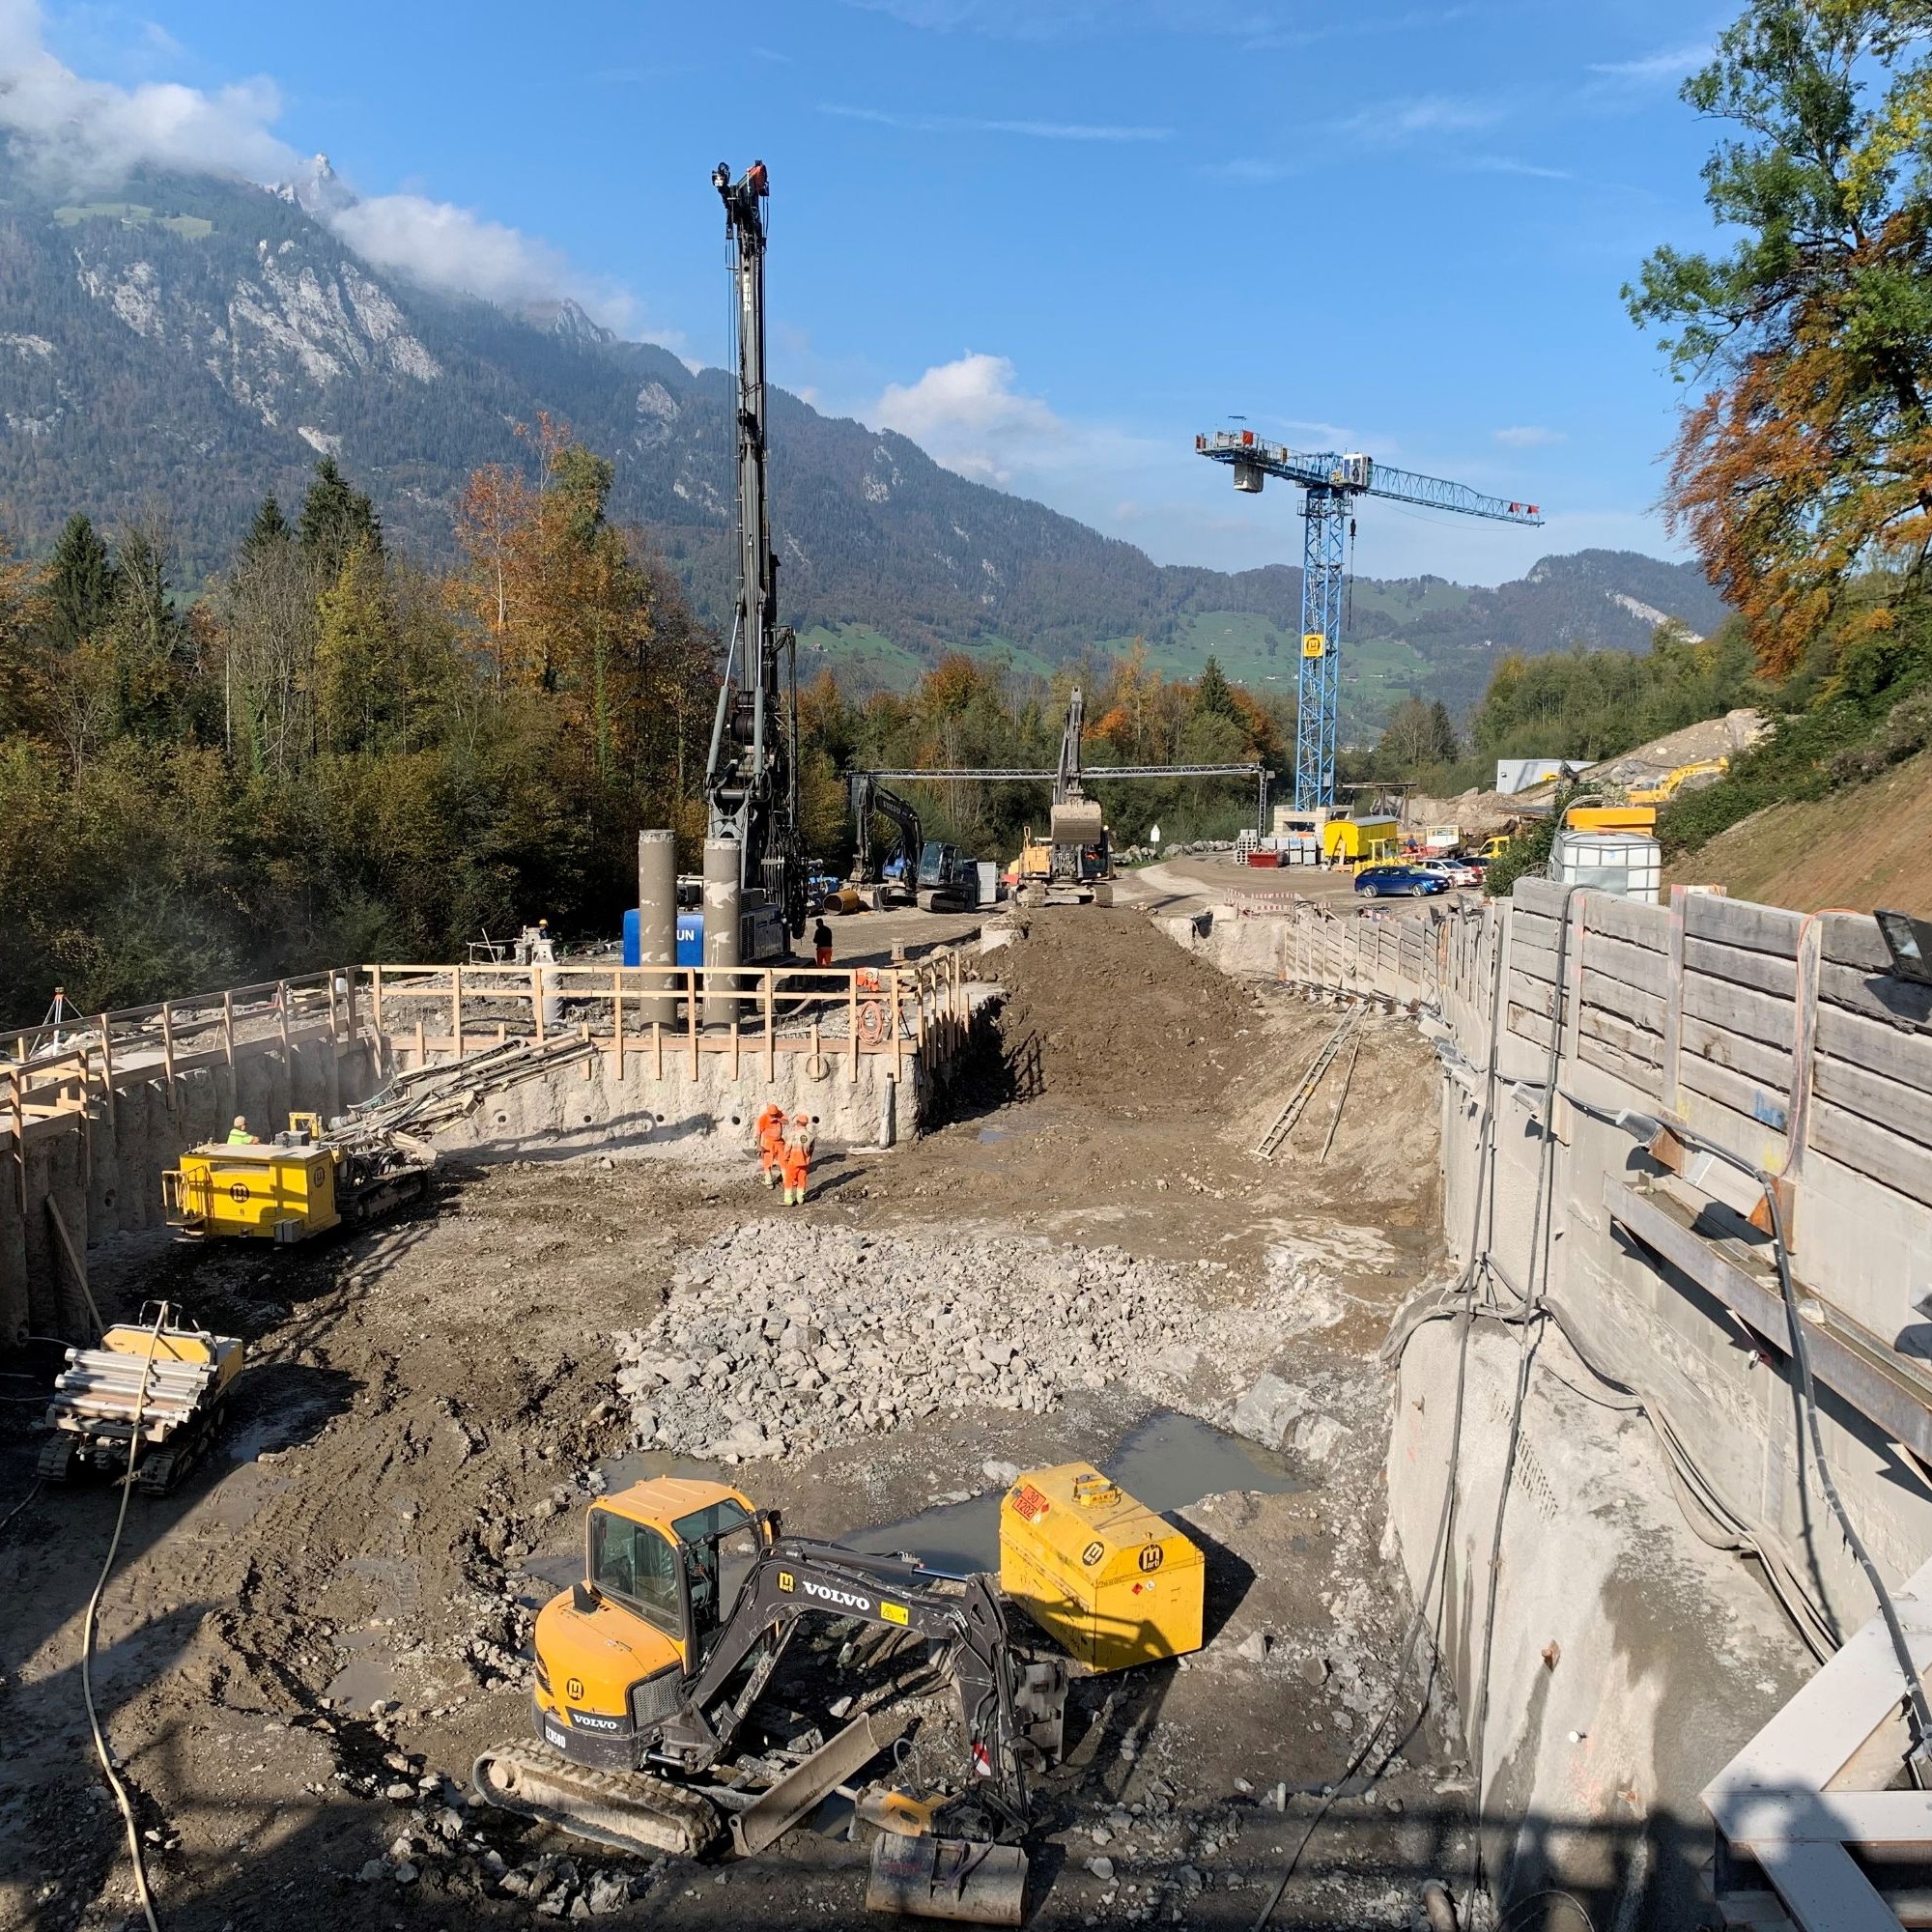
196	342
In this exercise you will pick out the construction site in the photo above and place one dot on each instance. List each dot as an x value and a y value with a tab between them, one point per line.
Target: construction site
1097	1394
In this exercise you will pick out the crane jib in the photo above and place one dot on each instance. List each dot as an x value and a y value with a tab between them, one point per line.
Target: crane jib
1331	482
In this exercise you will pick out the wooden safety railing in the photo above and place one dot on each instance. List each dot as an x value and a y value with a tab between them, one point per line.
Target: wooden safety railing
753	1013
55	1070
750	1014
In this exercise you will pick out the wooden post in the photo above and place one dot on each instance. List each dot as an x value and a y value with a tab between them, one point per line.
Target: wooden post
376	1001
167	1062
77	1264
538	1000
852	1025
1673	1005
456	1010
20	1134
617	1021
898	1045
813	1060
771	1026
282	1008
422	1045
658	1049
107	1066
691	979
734	1045
584	1036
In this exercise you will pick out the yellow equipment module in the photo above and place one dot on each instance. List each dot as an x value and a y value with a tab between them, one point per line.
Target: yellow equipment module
1105	1578
281	1193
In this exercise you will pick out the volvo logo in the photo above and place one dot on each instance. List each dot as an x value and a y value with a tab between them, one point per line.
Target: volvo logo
849	1600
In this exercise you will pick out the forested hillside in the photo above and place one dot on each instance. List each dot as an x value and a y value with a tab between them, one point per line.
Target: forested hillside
200	341
338	753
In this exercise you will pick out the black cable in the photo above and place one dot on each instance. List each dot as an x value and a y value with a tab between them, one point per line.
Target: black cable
1464	1284
1568	1899
1918	1716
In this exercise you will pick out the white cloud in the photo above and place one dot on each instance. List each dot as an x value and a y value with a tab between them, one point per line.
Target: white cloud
1064	20
968	415
1508	164
967	124
84	131
1529	436
447	247
1667	63
1394	121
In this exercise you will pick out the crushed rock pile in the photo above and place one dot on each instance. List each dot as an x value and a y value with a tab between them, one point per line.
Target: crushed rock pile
783	1337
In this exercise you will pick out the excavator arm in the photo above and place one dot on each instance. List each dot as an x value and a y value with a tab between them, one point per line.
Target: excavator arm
1012	1709
869	797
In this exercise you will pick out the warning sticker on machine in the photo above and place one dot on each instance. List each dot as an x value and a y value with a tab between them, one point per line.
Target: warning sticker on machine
1028	1504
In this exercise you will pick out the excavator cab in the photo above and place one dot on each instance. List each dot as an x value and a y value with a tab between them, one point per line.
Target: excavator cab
664	1563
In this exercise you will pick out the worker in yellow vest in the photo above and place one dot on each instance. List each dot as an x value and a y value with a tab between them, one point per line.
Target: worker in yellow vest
238	1134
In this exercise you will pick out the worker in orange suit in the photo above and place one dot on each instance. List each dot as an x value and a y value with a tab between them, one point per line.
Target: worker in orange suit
771	1126
796	1156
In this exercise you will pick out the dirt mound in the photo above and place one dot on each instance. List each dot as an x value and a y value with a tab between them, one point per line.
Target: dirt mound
1103	1006
1856	849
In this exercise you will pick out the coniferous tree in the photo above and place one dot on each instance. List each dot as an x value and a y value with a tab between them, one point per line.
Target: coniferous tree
270	526
80	584
335	518
1213	697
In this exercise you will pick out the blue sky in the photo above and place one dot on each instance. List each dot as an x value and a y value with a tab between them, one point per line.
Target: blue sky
1050	239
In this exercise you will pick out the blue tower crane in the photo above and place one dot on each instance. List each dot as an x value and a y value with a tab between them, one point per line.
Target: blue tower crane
1331	484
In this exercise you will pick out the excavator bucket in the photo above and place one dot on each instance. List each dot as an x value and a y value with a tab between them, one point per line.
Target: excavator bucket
948	1878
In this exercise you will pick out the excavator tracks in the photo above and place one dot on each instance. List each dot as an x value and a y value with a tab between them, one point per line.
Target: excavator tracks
630	1811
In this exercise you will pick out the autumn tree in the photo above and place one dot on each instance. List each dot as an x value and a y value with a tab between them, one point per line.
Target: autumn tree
1807	463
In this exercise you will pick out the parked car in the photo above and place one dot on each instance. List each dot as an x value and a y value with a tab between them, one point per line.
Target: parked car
1416	882
1456	870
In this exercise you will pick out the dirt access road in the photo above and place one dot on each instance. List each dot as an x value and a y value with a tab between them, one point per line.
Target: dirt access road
303	1649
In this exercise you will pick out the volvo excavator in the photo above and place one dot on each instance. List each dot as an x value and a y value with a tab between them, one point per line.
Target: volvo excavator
649	1668
752	774
888	877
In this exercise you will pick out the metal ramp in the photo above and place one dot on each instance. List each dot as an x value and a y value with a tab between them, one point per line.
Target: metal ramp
1298	1101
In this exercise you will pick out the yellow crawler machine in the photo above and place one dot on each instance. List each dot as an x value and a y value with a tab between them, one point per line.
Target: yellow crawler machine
302	1182
648	1668
173	1374
1665	788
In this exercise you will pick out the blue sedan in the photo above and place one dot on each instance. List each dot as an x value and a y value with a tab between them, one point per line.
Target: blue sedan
1396	881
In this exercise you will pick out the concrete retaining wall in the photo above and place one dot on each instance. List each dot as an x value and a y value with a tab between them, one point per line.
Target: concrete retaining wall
1785	1041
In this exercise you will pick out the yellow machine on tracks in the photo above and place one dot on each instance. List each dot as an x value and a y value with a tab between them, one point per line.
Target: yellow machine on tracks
648	1668
302	1182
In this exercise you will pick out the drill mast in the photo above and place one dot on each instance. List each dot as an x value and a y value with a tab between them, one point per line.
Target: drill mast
752	780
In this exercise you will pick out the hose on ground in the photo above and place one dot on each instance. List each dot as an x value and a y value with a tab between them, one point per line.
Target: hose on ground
87	1630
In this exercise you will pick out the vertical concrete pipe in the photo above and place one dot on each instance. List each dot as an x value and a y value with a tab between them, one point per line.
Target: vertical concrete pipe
721	929
656	921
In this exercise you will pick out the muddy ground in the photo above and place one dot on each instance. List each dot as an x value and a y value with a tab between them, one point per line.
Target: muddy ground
303	1649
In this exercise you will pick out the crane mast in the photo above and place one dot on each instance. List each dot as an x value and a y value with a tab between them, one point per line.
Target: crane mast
1330	484
752	780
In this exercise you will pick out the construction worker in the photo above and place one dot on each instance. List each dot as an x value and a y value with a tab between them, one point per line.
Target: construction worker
238	1134
821	942
771	1130
797	1160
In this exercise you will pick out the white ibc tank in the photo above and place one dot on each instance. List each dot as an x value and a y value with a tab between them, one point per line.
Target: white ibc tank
1628	863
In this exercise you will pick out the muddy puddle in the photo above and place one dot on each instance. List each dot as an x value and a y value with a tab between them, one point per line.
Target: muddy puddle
1168	1463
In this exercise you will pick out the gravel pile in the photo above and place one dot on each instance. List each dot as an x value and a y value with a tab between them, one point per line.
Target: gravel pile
782	1337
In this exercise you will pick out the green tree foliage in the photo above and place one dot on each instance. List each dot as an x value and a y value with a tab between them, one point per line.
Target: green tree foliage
335	519
1810	456
317	761
79	584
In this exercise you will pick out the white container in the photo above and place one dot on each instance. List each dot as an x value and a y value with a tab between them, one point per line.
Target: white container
1628	863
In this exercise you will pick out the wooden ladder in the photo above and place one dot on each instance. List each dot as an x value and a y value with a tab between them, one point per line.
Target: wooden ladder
1304	1091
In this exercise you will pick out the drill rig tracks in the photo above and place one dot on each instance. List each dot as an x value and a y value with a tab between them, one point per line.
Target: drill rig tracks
628	1810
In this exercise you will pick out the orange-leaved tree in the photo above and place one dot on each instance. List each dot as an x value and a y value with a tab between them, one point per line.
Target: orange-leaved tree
1806	467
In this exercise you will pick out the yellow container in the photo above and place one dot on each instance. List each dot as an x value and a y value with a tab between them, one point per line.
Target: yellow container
1110	1581
1610	817
276	1193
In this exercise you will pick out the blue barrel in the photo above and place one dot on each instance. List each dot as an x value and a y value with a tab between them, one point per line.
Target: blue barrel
691	937
634	946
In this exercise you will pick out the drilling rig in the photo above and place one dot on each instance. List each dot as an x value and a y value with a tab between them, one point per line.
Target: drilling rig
752	778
